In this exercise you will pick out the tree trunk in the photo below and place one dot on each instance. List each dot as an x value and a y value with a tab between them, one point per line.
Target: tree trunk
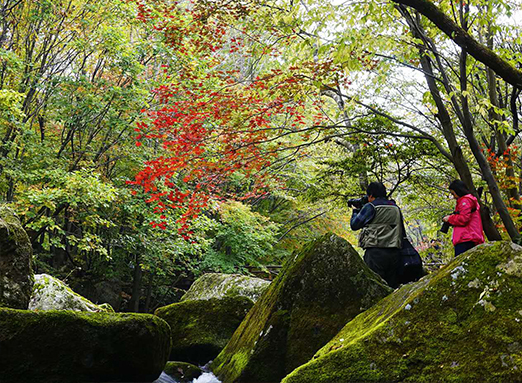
485	169
134	304
148	296
512	193
457	158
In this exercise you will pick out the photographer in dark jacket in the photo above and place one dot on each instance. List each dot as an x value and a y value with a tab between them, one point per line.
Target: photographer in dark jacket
381	235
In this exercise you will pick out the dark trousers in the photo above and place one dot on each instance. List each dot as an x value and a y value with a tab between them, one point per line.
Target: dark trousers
385	262
464	246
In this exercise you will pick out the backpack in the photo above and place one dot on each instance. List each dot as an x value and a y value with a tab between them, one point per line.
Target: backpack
410	267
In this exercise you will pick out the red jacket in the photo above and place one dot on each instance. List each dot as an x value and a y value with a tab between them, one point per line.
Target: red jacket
467	225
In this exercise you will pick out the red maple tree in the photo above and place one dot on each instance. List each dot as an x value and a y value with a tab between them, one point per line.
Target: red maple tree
211	121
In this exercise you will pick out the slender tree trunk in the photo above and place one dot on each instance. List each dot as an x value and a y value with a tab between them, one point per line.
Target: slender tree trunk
512	193
136	286
457	158
485	169
148	295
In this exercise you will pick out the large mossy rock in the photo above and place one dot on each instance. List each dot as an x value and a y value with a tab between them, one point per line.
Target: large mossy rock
68	346
201	329
216	285
462	324
16	274
50	293
318	291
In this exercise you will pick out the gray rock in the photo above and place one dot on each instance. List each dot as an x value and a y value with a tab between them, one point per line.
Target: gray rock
50	293
215	285
319	290
16	274
109	291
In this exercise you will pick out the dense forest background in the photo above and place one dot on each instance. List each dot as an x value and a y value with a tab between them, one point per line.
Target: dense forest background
146	142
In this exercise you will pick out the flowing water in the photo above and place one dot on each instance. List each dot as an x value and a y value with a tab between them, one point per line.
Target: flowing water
206	377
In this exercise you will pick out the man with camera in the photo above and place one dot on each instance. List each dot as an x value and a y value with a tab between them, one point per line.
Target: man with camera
381	235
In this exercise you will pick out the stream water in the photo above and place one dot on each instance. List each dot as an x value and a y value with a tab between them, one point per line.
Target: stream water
206	377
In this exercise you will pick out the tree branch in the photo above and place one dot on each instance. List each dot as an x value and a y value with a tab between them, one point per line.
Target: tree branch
462	38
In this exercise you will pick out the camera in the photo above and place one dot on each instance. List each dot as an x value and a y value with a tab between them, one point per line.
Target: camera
358	202
445	227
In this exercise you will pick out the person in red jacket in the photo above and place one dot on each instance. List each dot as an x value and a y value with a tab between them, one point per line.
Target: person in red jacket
466	222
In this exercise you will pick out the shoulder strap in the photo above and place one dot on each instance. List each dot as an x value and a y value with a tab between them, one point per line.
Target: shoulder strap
402	225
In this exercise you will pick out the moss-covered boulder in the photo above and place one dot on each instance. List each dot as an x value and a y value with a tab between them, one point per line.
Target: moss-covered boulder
50	293
16	274
200	329
462	324
182	372
318	291
216	285
68	346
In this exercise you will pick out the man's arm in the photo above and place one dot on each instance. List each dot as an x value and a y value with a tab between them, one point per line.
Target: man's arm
361	217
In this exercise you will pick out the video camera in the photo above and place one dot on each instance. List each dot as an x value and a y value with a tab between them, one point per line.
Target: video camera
358	202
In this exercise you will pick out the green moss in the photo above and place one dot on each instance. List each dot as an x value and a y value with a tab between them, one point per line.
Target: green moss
50	293
317	292
200	329
441	329
106	307
65	346
216	285
182	372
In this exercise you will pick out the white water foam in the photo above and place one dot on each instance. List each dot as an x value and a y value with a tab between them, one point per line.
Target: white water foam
206	377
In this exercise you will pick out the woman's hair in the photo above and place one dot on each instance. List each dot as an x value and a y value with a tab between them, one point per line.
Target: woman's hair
459	188
376	190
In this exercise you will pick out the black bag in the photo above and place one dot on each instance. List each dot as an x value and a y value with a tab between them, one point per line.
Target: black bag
410	269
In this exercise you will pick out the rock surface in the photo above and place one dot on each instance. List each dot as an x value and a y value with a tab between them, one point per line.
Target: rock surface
50	293
216	285
462	324
109	291
200	329
182	372
318	291
16	274
67	346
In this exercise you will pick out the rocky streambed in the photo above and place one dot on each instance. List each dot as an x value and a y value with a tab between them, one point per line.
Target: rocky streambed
325	319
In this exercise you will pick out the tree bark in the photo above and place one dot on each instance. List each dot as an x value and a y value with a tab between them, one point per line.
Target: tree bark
462	38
